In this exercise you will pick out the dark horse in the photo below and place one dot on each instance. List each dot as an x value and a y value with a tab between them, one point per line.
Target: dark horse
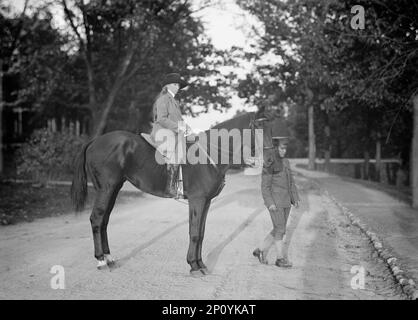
115	157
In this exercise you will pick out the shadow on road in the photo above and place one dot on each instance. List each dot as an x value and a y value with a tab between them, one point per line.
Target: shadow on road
145	245
213	256
243	197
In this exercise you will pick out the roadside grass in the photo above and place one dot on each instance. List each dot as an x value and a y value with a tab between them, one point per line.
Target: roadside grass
25	202
403	193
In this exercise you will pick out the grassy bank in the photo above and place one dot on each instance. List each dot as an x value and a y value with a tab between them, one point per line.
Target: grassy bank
27	202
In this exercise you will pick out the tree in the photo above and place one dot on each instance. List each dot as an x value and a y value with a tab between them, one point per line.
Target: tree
4	8
1	118
369	71
291	33
385	77
414	173
128	45
30	56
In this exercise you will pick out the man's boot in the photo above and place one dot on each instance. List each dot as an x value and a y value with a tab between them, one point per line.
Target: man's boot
171	187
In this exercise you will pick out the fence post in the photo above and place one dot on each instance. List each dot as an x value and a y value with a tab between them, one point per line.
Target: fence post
1	118
378	164
414	158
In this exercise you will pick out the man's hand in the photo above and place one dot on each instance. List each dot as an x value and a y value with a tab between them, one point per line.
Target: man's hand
189	130
250	162
272	208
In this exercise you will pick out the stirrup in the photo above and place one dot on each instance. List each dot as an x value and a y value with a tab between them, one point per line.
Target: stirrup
170	188
175	188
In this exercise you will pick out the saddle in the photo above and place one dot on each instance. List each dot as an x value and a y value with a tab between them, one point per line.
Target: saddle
148	139
179	177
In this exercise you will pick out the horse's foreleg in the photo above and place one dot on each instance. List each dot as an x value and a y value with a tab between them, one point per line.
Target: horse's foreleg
196	208
202	266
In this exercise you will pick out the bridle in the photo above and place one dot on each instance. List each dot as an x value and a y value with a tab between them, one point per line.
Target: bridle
253	123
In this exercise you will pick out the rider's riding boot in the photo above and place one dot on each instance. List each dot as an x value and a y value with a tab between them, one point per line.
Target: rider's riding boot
172	179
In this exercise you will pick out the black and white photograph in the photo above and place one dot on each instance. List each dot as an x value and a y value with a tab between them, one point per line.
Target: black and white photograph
208	154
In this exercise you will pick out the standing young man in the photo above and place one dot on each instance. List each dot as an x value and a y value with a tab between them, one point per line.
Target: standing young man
279	193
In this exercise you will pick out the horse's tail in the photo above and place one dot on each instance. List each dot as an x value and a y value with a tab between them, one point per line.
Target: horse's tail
79	184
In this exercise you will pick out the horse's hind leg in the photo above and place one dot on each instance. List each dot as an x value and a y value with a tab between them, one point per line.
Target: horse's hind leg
105	243
98	217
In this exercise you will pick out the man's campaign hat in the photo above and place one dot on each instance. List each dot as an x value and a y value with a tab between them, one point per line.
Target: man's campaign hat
174	78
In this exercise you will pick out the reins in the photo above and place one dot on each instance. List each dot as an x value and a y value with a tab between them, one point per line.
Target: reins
219	148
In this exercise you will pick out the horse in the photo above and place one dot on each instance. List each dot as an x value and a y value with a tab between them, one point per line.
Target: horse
118	156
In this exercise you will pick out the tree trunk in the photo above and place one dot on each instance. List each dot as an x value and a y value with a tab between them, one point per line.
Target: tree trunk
101	124
77	128
85	49
92	89
90	83
311	165
327	160
1	118
311	130
414	159
327	144
378	164
89	61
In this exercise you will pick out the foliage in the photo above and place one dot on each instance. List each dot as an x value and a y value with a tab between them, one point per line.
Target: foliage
48	155
127	46
31	56
107	60
359	80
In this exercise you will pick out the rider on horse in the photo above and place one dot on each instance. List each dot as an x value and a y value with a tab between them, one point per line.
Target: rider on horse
167	116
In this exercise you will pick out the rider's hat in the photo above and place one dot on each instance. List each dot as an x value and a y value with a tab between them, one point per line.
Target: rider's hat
174	78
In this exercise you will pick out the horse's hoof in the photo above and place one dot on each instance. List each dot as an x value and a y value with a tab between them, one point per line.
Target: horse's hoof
102	265
196	273
113	265
283	263
110	261
204	270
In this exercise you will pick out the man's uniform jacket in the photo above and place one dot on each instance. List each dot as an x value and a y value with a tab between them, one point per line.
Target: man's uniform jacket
277	183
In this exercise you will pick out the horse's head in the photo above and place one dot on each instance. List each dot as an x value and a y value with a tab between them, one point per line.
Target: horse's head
252	130
266	121
261	122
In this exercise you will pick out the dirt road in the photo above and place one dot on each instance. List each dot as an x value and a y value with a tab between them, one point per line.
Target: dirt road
149	237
